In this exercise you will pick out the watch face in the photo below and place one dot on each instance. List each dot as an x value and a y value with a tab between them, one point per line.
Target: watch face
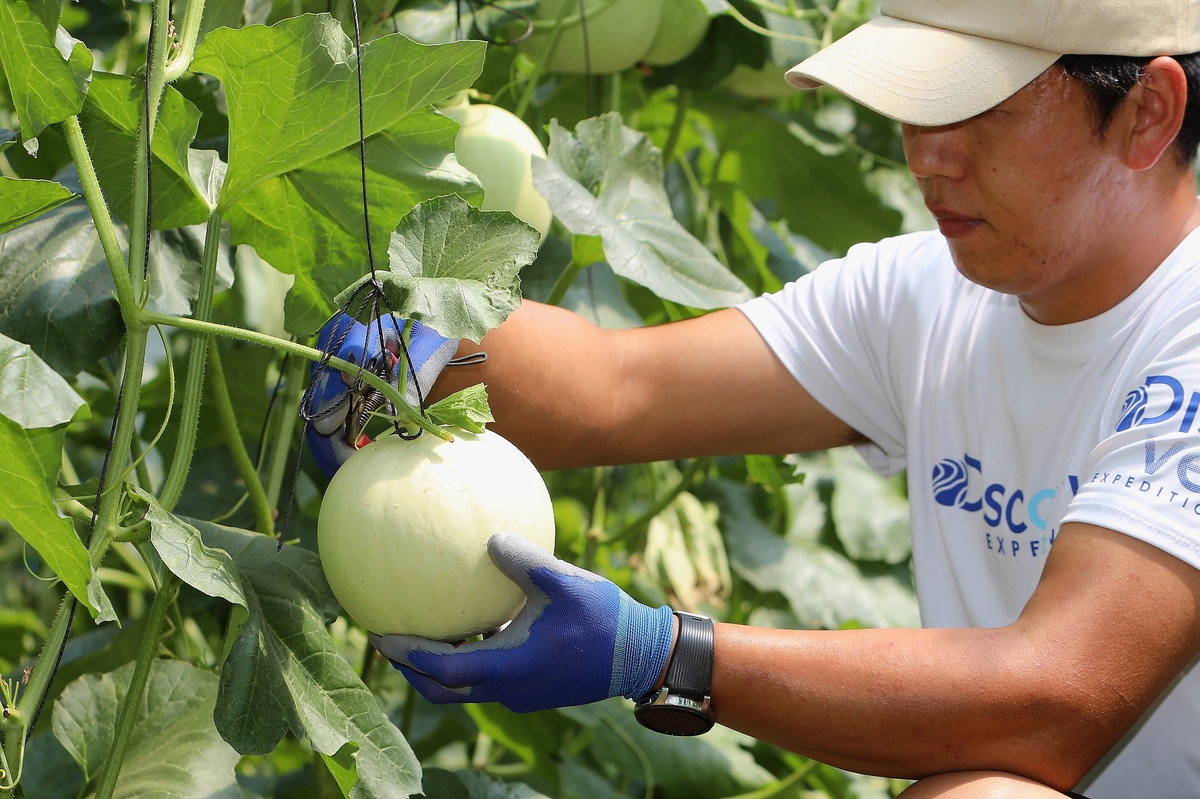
673	720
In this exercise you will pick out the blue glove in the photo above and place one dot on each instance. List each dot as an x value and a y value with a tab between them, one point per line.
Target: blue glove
579	639
339	412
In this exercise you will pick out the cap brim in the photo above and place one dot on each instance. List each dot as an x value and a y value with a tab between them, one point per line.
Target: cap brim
919	74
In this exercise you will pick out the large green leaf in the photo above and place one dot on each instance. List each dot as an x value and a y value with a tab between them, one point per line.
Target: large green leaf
31	393
293	97
29	464
110	122
47	71
208	570
706	767
822	197
175	751
285	671
309	222
823	588
56	290
455	267
871	513
607	180
23	200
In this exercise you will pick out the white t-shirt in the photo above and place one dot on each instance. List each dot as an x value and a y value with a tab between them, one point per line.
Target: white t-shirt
1008	429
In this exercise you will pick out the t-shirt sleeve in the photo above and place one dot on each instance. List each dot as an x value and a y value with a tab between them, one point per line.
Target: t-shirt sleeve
1143	479
830	329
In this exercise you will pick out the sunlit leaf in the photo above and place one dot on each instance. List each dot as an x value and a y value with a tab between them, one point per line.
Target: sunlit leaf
467	409
174	752
293	97
24	200
48	72
606	180
455	267
284	671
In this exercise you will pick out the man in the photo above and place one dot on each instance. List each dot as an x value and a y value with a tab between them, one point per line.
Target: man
1036	356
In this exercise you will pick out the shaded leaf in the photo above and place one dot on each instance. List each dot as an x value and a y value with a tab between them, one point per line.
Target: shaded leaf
48	72
24	200
437	783
55	285
210	571
607	180
110	122
467	409
309	221
29	464
174	752
771	471
482	786
7	137
31	393
284	671
533	737
293	98
871	512
50	771
455	267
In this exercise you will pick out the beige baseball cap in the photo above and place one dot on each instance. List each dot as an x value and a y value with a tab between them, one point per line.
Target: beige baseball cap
936	62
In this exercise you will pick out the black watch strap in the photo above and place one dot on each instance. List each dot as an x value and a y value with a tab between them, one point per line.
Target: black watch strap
690	672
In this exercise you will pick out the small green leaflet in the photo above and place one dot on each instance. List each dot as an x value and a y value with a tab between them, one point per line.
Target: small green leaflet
292	93
48	72
24	200
455	267
771	471
174	751
606	180
467	410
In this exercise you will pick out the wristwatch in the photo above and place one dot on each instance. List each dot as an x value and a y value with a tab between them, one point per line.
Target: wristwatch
683	705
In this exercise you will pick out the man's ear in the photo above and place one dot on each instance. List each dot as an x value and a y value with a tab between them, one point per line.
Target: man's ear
1153	113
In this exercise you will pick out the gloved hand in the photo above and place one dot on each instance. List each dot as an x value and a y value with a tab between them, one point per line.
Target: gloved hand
340	412
579	639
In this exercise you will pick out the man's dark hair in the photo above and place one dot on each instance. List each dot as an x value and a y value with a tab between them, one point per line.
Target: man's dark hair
1108	79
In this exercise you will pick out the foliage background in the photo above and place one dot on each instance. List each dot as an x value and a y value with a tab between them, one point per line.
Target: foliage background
771	187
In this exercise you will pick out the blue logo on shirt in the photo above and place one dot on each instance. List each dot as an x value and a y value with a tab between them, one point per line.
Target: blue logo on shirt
1133	412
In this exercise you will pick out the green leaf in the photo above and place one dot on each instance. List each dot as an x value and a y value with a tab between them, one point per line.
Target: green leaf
110	122
437	783
482	786
56	290
7	137
771	471
31	393
292	92
341	766
210	571
29	464
455	267
870	512
284	671
587	250
467	409
822	197
175	751
309	222
533	737
607	180
24	200
48	72
823	588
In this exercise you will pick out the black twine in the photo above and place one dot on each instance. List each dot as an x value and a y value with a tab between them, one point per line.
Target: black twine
475	6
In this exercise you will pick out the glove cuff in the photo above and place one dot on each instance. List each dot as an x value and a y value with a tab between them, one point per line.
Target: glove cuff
643	643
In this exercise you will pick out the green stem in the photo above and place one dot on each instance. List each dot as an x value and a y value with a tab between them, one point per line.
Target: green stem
547	49
139	218
614	92
689	474
193	391
682	102
563	284
105	228
189	34
773	789
237	448
289	408
403	409
15	727
128	712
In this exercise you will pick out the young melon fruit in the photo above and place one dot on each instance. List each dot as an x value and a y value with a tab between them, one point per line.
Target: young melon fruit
496	145
683	25
619	32
404	527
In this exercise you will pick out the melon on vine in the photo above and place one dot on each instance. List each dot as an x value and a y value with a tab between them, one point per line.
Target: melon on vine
683	26
619	34
404	526
497	146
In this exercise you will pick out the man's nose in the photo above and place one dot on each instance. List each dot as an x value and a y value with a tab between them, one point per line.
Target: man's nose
935	152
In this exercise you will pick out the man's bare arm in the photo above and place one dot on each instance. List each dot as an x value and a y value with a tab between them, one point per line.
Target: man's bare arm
571	394
1112	621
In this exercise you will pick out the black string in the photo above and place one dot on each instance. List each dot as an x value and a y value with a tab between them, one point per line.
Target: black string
149	155
262	433
475	6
